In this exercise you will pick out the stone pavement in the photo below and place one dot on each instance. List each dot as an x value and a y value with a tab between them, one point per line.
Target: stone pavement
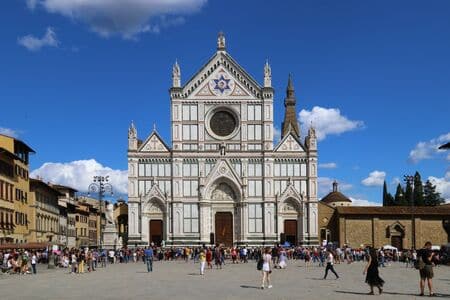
180	280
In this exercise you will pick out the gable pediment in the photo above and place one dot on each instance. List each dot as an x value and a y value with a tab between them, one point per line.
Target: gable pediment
154	143
221	76
289	144
222	169
290	192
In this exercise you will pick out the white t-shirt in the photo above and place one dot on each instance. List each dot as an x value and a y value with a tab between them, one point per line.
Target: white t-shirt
33	259
330	258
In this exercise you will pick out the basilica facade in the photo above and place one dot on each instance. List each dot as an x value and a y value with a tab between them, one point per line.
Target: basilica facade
222	179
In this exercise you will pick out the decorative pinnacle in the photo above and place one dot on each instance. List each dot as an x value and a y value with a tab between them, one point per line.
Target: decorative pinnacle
221	42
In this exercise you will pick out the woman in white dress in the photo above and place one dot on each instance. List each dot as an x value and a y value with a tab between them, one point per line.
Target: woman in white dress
283	259
266	268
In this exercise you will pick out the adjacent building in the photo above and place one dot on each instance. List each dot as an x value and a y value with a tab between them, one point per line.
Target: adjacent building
222	179
403	227
121	219
67	207
44	212
14	190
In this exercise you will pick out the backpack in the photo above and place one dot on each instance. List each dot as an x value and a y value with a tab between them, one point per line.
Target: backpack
419	264
260	263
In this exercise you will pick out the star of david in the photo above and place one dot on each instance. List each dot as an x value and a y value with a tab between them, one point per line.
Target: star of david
222	84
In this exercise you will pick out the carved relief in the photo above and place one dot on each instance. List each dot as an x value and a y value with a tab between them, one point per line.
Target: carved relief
223	192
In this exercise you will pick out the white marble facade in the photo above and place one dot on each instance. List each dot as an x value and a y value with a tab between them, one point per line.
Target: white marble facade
222	159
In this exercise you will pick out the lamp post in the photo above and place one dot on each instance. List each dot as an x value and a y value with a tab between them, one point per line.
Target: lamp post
100	185
410	179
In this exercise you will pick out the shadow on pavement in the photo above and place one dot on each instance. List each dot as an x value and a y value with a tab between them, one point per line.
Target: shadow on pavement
250	287
393	293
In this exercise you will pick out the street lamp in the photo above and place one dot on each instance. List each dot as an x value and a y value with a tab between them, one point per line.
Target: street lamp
101	186
410	179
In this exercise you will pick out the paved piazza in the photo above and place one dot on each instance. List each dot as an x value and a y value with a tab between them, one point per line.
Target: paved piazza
180	280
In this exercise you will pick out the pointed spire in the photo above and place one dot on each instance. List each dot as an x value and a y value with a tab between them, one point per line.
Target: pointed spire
221	42
335	186
267	75
132	132
176	75
311	131
290	92
290	123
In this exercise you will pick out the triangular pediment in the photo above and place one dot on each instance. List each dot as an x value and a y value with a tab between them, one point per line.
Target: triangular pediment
155	192
289	144
290	192
222	170
154	143
221	76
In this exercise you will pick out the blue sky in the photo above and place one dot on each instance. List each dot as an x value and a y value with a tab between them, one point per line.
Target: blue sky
70	85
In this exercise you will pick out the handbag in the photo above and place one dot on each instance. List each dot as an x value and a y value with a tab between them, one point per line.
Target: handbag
259	264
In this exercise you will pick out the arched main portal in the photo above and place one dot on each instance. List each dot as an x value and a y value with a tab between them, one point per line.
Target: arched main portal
225	212
292	221
155	217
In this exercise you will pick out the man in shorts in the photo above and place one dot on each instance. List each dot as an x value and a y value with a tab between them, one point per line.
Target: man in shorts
426	272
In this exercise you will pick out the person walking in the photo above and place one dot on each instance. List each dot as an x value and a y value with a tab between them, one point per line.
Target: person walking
425	265
202	259
33	262
218	257
266	268
330	263
371	271
209	258
149	258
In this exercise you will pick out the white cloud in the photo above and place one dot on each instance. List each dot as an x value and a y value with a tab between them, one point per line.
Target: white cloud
363	202
326	185
376	178
327	121
124	17
31	4
442	185
331	165
9	132
78	174
428	150
395	181
33	43
276	134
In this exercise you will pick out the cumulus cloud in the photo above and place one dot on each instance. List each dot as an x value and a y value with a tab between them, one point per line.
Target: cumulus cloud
328	121
395	181
331	165
124	17
33	43
429	149
276	134
442	185
31	4
78	174
9	132
326	185
363	202
376	178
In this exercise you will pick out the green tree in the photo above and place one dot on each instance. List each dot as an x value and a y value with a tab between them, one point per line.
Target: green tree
408	193
399	196
431	197
385	194
390	200
418	190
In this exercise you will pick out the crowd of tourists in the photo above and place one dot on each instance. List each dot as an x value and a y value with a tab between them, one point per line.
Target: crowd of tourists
84	260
